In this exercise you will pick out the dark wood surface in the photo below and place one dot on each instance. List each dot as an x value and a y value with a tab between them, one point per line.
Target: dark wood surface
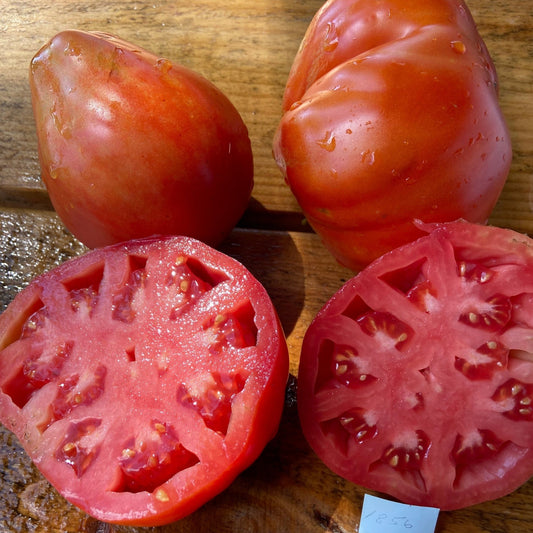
246	48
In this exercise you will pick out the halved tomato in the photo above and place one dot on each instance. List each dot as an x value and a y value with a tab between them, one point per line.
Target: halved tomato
416	378
143	377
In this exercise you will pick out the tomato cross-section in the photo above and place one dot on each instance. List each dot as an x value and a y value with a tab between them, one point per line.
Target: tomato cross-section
142	378
416	378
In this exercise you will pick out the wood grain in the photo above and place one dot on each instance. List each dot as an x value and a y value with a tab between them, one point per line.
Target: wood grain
246	48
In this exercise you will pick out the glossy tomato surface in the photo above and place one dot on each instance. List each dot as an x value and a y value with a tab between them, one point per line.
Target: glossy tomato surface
391	114
142	378
416	378
133	145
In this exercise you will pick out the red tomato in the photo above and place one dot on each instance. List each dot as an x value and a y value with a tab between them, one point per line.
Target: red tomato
142	378
416	378
132	145
390	115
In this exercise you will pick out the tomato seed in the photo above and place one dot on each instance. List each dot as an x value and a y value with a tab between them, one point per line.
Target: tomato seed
219	319
473	317
161	495
165	459
128	453
160	428
341	369
69	448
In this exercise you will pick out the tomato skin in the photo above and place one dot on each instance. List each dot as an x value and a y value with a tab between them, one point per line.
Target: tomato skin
391	114
143	377
416	377
131	145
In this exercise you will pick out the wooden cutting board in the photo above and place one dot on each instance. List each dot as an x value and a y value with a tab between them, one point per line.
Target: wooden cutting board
246	48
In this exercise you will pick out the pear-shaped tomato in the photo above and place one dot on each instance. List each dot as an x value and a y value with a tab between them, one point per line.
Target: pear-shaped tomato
133	145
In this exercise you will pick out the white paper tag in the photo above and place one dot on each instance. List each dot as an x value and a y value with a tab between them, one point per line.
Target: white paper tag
384	516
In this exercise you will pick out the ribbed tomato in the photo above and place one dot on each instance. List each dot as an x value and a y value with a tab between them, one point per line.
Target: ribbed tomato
390	114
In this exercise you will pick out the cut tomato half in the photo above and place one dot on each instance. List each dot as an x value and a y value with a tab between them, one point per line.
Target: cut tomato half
142	378
416	378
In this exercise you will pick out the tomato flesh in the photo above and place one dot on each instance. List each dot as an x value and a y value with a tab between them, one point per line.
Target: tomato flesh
142	378
133	145
416	378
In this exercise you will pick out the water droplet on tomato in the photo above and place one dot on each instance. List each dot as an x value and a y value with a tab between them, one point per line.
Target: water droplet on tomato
72	49
331	41
368	157
63	128
328	142
458	47
295	105
164	65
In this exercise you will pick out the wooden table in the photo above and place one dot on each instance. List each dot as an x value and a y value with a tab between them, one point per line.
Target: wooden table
245	47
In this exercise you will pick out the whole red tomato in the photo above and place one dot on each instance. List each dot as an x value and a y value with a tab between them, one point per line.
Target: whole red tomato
391	114
132	145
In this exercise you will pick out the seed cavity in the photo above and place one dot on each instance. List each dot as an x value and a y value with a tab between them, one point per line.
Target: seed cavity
187	281
515	399
81	445
388	330
212	398
484	361
39	368
233	329
493	314
124	304
408	456
150	457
